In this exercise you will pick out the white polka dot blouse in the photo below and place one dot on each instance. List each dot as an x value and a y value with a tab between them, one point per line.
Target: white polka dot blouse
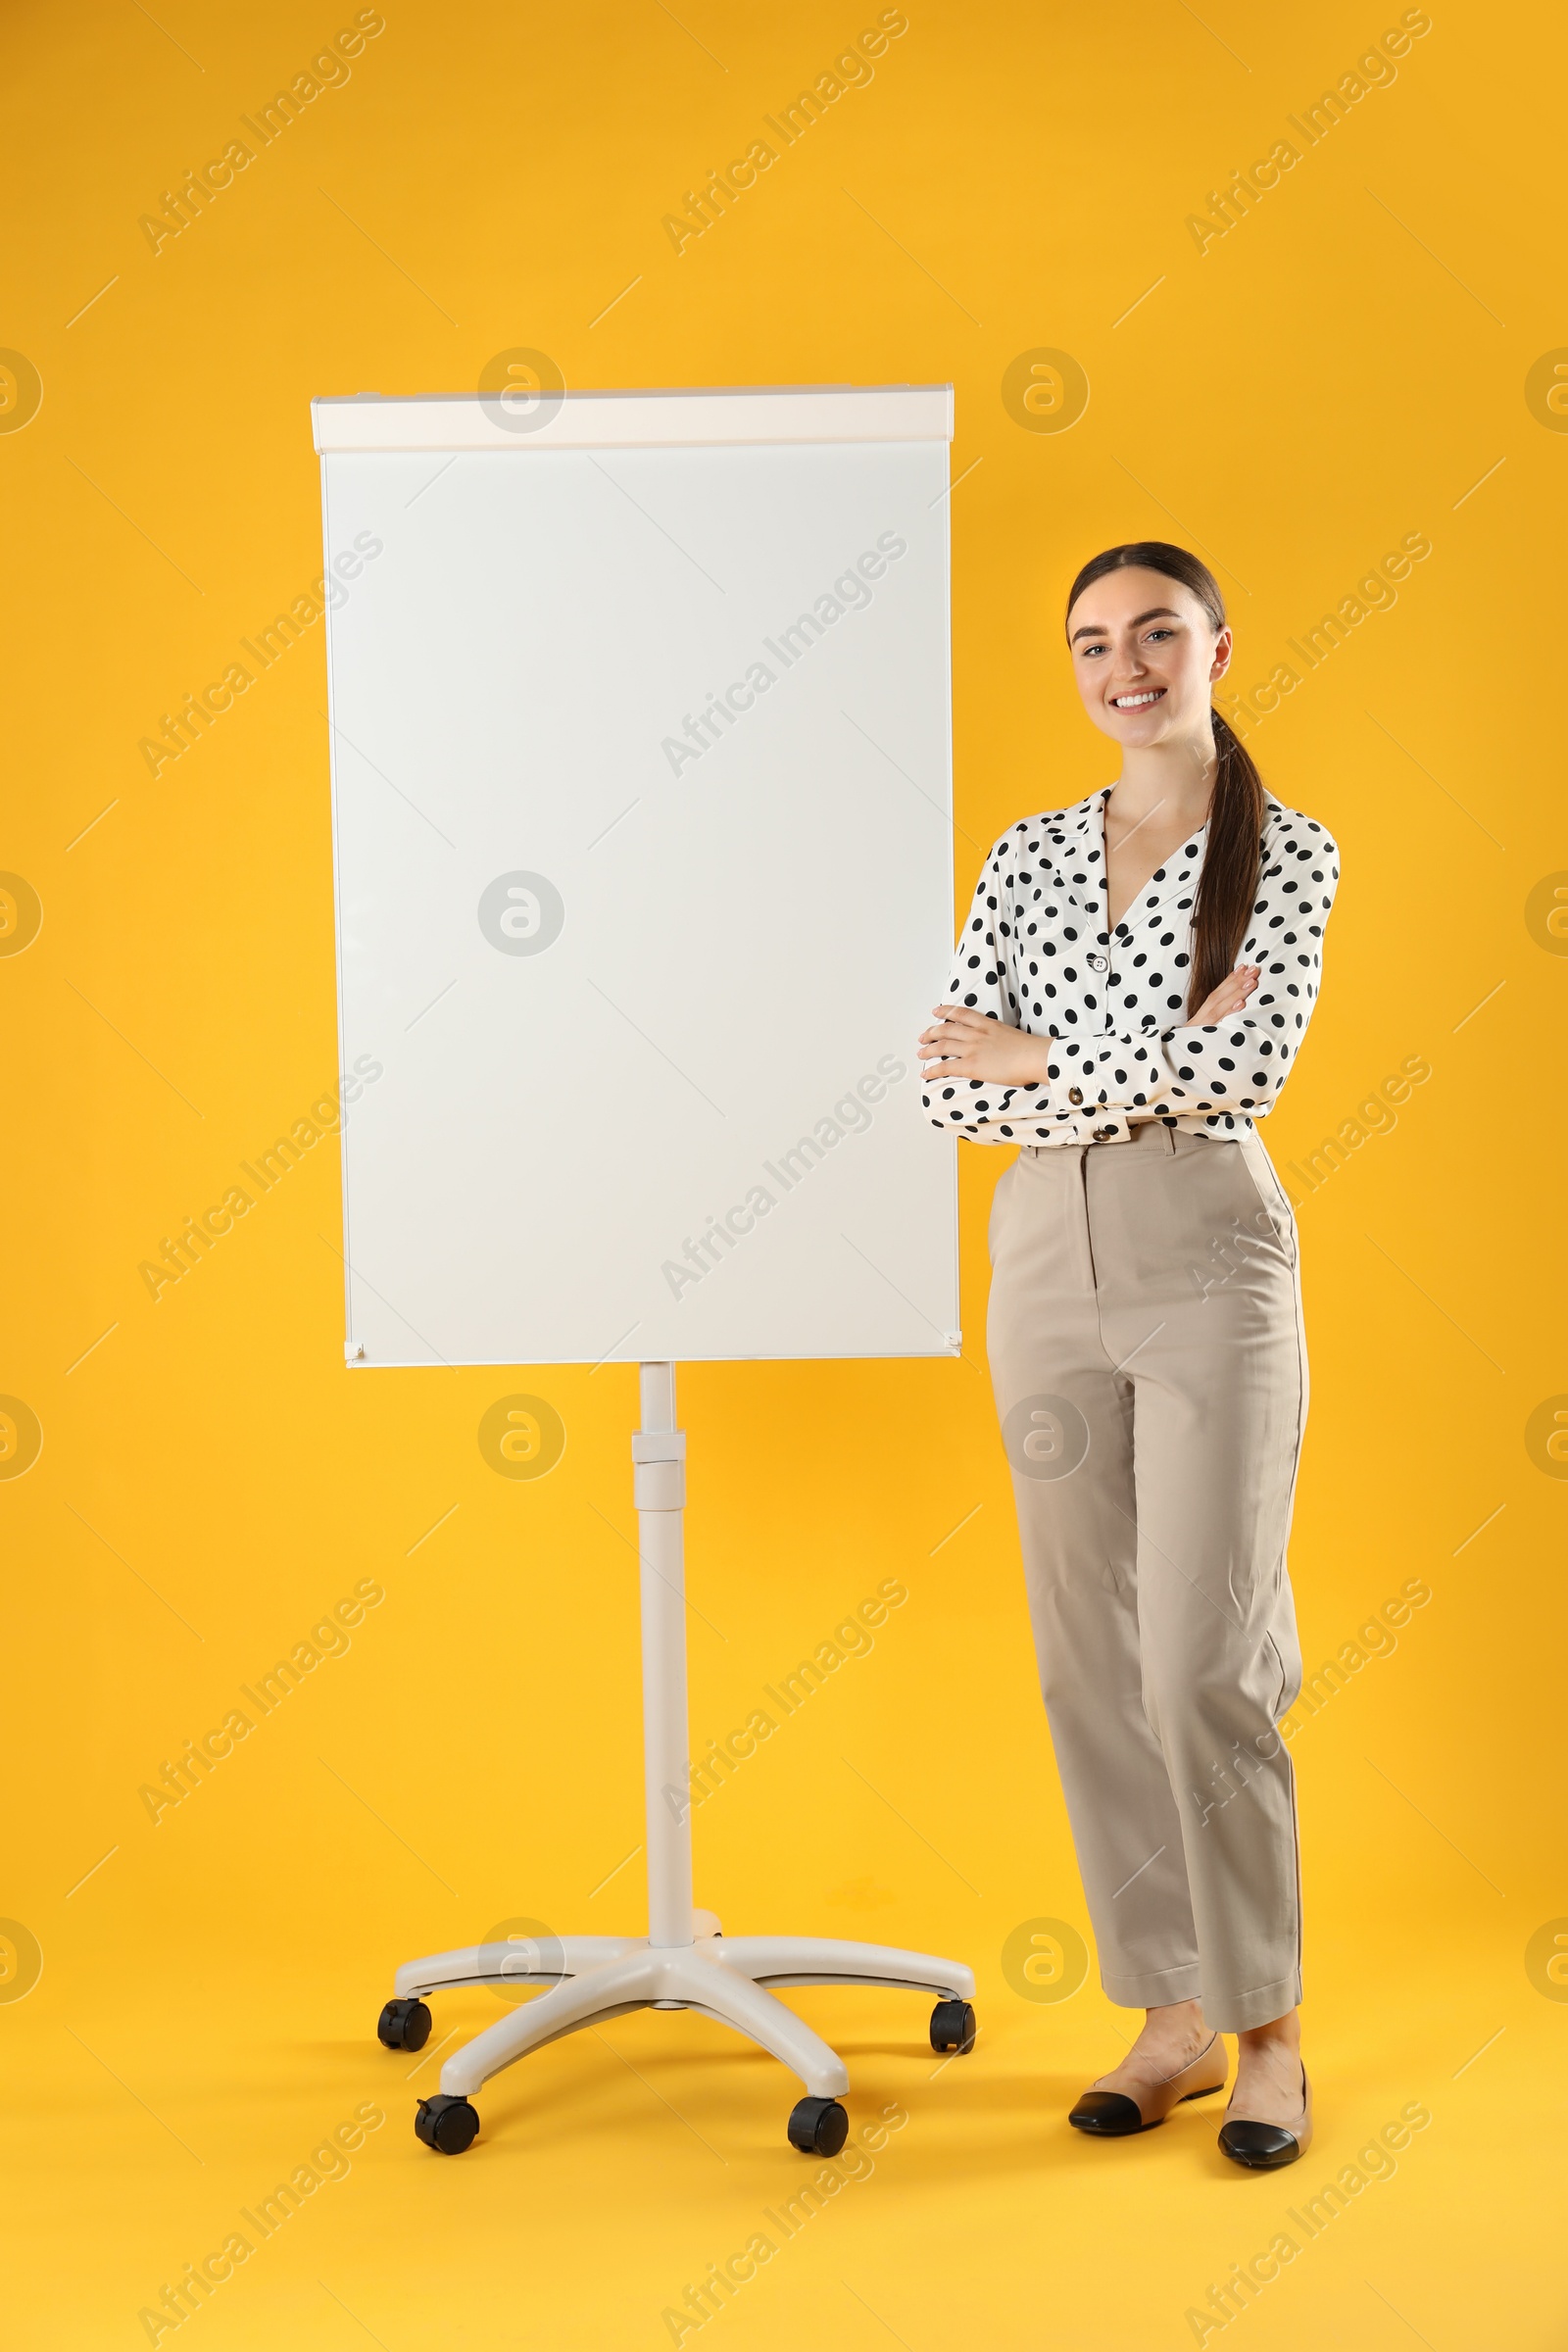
1038	953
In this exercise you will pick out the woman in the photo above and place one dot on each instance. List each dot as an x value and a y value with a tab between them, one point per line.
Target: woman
1130	994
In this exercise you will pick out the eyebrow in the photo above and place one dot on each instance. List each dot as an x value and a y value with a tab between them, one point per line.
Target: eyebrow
1154	613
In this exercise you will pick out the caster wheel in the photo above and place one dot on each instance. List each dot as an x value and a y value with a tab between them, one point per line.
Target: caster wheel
818	2126
953	2028
404	2026
449	2126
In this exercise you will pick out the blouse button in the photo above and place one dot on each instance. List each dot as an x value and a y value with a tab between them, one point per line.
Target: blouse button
1098	964
1103	1135
1075	1094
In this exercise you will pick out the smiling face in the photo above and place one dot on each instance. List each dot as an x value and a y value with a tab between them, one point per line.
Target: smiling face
1146	654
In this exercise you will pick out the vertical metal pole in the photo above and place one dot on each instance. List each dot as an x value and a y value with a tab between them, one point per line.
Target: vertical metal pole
659	1451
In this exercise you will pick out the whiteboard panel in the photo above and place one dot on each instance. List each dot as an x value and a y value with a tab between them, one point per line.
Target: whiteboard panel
640	1006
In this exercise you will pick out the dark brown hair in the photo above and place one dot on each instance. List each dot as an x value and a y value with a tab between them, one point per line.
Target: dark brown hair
1227	884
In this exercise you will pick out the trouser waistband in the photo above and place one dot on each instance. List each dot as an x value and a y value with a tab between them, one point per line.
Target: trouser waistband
1152	1135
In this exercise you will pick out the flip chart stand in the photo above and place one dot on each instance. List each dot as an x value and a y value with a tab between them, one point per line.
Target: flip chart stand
685	1961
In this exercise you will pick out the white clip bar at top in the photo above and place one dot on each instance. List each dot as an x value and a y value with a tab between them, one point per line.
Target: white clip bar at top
368	422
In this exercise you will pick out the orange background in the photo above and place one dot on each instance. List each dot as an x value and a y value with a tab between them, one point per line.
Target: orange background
1349	363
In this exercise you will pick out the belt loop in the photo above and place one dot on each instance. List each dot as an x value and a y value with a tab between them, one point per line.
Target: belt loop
1169	1133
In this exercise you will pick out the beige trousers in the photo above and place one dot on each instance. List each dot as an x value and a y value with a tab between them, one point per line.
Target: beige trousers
1147	1353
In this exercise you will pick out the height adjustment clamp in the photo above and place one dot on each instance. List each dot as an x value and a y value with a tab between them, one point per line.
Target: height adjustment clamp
659	1475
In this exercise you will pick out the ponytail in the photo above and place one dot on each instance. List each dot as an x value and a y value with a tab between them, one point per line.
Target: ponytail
1227	887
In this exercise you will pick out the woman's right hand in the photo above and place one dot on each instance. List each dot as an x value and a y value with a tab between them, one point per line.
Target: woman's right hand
962	1043
1230	995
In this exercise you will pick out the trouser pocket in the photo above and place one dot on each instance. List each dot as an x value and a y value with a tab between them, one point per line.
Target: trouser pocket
998	1200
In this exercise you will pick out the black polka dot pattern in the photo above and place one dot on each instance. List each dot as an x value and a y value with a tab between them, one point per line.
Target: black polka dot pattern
1038	953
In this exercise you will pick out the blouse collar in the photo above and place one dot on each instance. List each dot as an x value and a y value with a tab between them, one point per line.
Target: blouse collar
1077	841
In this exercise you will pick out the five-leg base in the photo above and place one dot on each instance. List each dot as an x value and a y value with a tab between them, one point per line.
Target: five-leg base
727	1977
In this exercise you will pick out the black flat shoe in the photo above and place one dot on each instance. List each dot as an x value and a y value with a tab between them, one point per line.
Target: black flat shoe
1113	2115
1264	2147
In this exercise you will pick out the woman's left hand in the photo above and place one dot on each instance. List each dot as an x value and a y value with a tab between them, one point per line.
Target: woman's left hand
964	1044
